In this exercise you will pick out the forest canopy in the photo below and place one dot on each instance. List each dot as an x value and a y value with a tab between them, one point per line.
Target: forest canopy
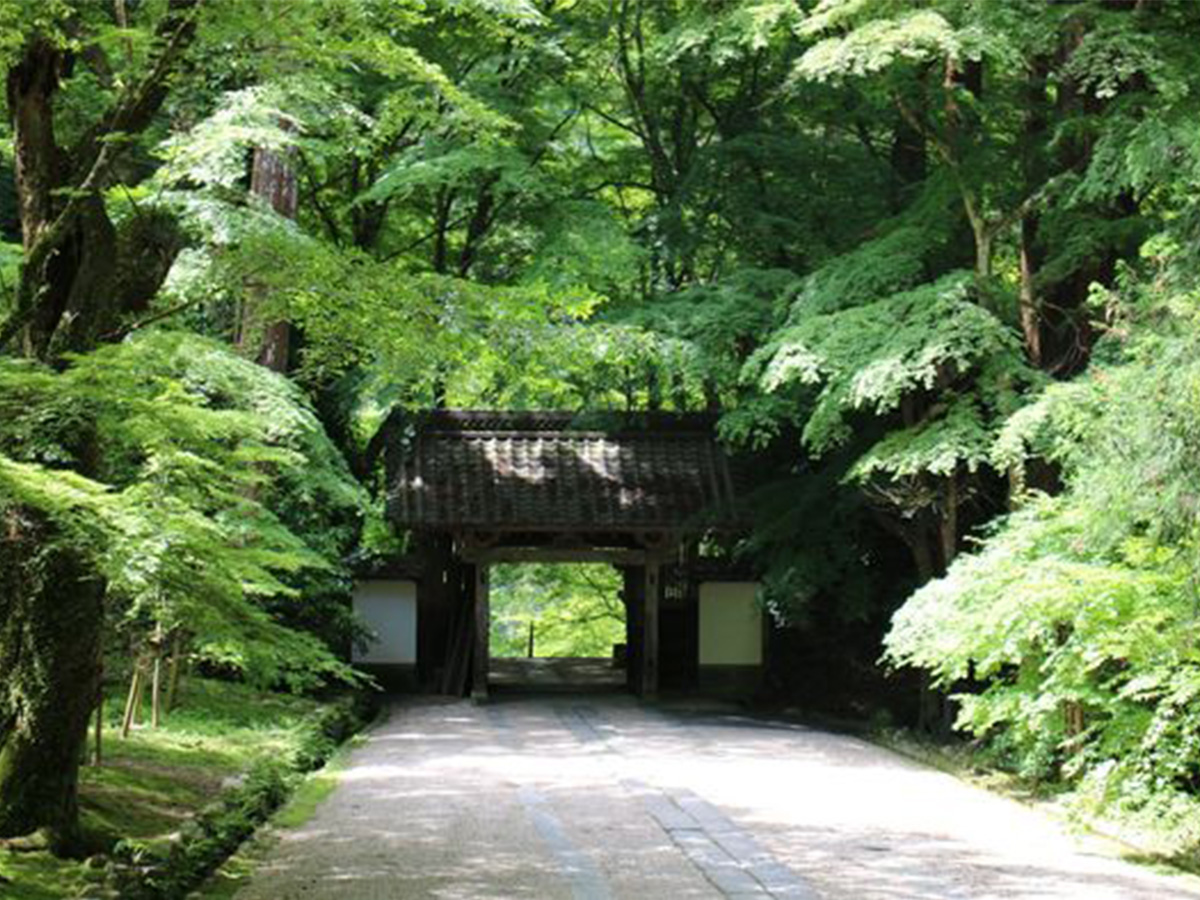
931	265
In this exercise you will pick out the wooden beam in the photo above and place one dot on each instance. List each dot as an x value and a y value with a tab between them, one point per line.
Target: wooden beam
650	632
617	557
483	622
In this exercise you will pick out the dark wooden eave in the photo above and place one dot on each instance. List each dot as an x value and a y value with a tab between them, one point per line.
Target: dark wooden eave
503	473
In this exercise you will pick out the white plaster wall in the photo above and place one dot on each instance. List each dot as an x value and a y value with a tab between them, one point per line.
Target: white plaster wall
731	625
388	608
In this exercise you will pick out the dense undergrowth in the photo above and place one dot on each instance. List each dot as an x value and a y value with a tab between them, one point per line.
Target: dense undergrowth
168	805
1069	635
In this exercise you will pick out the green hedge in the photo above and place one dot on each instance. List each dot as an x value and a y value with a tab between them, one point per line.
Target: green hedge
143	870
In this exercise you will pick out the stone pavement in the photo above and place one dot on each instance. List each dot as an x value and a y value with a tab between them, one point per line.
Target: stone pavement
598	797
578	675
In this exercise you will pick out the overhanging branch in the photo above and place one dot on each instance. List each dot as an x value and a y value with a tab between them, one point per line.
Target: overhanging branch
103	144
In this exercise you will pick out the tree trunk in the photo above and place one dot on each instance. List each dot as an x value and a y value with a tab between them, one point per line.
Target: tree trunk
948	523
51	282
31	85
909	163
72	294
922	554
937	711
51	614
477	228
173	672
1030	307
443	206
272	177
1034	171
981	233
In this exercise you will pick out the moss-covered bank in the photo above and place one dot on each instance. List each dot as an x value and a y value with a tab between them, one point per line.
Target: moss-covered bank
168	805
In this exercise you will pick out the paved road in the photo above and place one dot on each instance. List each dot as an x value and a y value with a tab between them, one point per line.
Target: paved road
597	797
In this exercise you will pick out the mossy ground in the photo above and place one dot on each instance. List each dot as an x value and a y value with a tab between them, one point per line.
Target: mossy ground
151	782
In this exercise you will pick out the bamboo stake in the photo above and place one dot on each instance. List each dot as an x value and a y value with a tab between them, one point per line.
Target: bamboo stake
156	679
141	691
98	757
173	671
135	687
156	691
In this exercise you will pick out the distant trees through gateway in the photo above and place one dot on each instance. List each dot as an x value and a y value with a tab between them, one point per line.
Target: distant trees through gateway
556	610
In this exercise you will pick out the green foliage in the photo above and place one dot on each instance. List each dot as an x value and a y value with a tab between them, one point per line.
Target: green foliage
868	232
159	779
957	438
213	153
725	36
873	356
716	325
1087	599
152	869
10	261
888	264
915	36
574	610
215	487
810	538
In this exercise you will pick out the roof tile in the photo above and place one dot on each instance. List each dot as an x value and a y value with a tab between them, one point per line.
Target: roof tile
521	471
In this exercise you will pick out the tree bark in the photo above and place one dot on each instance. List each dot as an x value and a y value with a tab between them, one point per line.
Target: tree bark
1030	307
73	289
273	178
477	228
1034	170
69	294
50	619
948	523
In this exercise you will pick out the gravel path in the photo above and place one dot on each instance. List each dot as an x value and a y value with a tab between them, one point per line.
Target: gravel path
598	797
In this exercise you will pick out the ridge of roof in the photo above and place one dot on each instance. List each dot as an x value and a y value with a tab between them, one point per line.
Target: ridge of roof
599	422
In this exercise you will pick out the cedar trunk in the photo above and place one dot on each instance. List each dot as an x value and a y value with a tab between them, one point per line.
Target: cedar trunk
51	610
273	178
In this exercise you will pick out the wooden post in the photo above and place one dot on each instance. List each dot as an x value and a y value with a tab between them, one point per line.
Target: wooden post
156	679
98	758
483	621
633	588
141	692
135	689
156	691
173	671
650	632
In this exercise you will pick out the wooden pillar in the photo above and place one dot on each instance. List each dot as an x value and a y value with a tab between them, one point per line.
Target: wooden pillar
650	631
483	622
633	579
436	607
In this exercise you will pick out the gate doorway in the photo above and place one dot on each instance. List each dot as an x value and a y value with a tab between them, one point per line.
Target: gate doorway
557	626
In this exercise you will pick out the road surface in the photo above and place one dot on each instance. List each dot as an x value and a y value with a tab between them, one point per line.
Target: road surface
598	797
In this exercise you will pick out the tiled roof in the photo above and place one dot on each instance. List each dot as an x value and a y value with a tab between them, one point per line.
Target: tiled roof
555	471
